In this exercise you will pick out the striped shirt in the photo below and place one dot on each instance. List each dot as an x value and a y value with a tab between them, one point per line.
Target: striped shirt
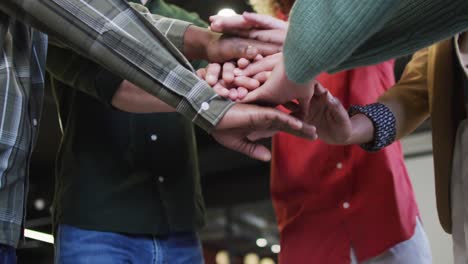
141	48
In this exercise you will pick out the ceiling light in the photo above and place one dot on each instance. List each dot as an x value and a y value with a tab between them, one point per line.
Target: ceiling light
262	242
227	12
38	236
222	257
276	248
251	258
267	261
39	204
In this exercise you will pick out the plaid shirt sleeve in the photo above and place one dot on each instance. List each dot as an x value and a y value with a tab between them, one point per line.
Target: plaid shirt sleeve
118	37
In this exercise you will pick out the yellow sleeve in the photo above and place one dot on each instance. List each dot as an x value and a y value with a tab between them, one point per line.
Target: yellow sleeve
408	99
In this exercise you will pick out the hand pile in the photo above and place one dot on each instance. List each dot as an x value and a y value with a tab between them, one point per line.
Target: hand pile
262	80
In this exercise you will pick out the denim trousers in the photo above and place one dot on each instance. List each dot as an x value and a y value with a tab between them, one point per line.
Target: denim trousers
79	246
7	254
416	250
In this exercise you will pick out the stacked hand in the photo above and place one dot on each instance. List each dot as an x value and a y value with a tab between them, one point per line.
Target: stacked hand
261	80
249	68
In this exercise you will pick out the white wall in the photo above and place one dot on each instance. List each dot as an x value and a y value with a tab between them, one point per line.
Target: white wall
421	171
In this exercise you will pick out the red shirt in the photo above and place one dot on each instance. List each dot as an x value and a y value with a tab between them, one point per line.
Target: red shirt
331	198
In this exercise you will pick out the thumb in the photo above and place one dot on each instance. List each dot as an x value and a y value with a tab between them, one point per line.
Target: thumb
256	151
336	110
257	95
251	149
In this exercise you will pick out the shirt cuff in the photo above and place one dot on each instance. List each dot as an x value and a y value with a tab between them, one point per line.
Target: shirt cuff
173	29
212	110
199	101
175	33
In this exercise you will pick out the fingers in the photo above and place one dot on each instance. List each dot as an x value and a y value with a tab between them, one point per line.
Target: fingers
264	65
265	94
236	139
245	21
235	48
264	21
324	103
242	63
257	135
241	93
246	82
229	24
278	120
212	73
319	89
221	90
262	77
258	95
233	91
336	110
228	72
236	90
233	94
276	36
254	150
263	48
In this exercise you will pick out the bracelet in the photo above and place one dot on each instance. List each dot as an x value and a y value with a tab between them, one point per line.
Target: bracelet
384	124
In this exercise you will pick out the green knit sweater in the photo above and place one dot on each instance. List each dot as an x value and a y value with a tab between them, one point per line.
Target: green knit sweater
334	35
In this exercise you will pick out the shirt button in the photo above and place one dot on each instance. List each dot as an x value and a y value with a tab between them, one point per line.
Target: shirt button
34	122
161	179
346	205
339	165
154	137
205	106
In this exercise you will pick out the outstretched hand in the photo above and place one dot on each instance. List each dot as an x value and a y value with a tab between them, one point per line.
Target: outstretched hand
243	124
328	115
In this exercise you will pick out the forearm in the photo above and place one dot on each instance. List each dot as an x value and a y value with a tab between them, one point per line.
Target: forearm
425	22
130	98
134	50
324	33
409	115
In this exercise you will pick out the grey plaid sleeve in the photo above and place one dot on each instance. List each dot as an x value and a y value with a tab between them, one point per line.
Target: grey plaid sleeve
173	29
116	36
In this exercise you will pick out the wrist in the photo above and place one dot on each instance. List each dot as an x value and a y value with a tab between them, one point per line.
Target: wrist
197	41
362	130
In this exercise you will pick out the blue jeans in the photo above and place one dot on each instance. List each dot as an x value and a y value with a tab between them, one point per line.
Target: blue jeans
416	250
78	246
7	254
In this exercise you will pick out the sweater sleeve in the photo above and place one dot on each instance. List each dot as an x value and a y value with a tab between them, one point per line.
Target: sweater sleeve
336	35
323	33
